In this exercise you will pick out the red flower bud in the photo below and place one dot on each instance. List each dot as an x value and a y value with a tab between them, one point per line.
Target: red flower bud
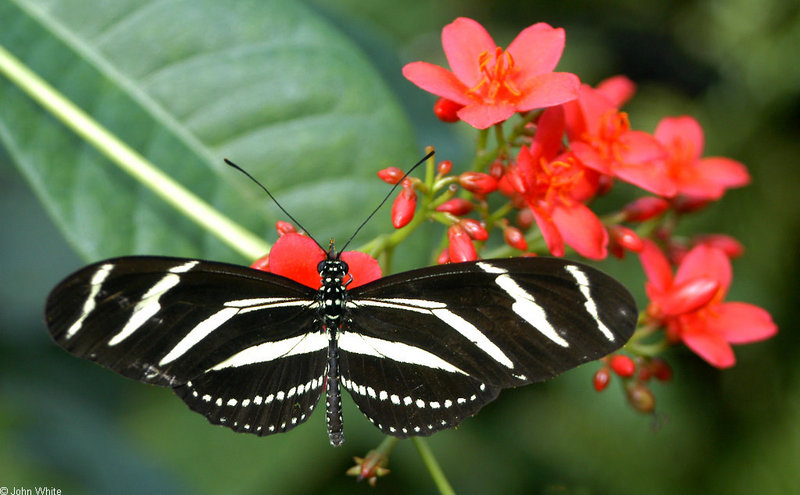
686	204
284	228
644	373
644	208
444	257
622	365
515	238
456	206
477	182
444	167
261	264
447	110
601	379
474	228
525	218
404	206
622	238
461	248
661	369
391	175
731	247
497	169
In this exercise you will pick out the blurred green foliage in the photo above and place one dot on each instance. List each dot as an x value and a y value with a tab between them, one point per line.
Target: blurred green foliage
66	423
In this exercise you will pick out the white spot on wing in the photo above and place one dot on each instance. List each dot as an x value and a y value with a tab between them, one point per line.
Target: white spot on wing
198	333
591	307
269	351
524	304
88	306
474	335
149	305
398	351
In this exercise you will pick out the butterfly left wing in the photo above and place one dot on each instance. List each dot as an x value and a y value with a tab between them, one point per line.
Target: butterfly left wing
239	346
423	350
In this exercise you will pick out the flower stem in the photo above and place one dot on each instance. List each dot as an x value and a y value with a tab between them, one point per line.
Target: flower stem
433	466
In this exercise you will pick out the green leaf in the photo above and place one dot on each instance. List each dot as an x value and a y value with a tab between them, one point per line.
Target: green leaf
268	84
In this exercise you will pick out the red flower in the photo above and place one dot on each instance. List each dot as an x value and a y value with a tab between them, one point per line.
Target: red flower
698	178
691	305
493	84
600	136
554	187
296	257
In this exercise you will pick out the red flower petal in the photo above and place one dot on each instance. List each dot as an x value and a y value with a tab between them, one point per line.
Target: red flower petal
548	140
296	257
618	89
437	80
550	233
708	345
688	297
724	171
590	157
483	115
582	230
656	266
363	267
261	263
537	49
650	177
546	90
708	262
682	136
741	323
463	41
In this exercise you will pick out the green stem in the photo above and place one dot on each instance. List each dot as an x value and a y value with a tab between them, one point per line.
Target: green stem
433	466
173	193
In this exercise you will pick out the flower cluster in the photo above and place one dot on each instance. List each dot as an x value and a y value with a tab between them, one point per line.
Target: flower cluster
558	144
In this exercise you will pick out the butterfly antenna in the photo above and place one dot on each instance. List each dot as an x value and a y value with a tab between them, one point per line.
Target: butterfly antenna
293	219
391	191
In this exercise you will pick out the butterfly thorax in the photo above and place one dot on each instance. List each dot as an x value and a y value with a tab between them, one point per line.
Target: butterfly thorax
333	292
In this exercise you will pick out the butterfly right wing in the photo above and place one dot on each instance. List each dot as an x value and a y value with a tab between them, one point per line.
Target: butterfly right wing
240	346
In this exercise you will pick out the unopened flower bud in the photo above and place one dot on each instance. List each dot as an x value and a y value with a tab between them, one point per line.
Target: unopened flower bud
447	110
461	248
477	182
404	206
456	206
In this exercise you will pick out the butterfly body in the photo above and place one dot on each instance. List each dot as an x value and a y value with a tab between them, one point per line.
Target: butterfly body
418	351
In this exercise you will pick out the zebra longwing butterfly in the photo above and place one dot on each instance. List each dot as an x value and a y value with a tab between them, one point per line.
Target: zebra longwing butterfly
418	351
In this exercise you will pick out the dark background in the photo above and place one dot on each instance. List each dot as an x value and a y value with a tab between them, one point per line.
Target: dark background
732	64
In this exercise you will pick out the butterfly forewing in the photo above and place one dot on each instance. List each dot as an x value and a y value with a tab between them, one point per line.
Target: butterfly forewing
451	337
